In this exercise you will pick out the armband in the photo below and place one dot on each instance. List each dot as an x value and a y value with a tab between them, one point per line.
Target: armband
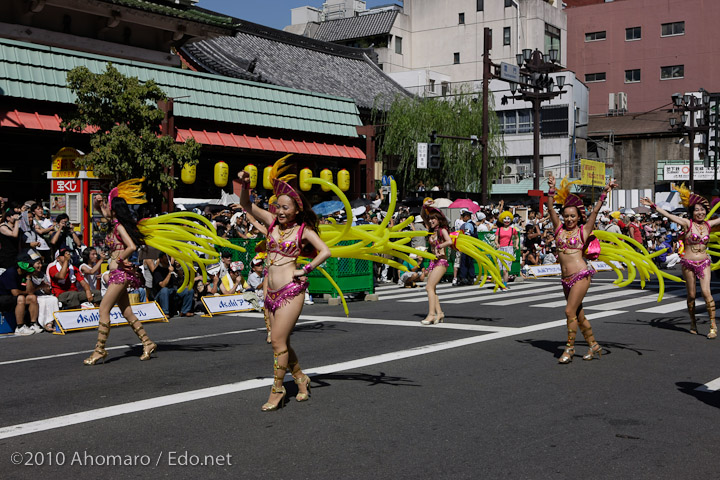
603	196
551	193
308	268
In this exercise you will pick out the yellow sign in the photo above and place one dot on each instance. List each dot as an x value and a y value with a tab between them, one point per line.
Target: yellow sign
65	174
593	173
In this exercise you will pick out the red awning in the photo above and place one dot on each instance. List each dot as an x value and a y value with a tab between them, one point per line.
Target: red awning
37	121
270	144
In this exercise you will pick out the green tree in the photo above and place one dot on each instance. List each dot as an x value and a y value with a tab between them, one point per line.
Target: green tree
410	120
124	113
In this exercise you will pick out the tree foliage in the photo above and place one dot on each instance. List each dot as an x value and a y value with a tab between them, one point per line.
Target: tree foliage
410	120
126	144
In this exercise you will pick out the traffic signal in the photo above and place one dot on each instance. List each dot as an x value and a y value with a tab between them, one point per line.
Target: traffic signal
434	155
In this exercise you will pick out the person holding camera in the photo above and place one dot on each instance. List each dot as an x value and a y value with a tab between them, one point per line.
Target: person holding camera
64	235
9	239
165	282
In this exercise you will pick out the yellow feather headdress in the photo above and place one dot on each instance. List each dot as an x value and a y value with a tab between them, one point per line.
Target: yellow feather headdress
279	183
688	198
564	197
130	191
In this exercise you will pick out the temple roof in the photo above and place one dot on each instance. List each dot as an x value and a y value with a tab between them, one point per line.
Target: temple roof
356	27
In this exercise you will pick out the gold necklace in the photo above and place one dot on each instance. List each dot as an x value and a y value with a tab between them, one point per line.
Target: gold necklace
285	234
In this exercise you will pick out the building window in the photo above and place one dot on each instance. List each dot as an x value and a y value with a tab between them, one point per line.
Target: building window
432	86
506	35
380	66
480	5
670	29
461	19
552	39
674	71
595	36
456	58
595	77
508	3
554	121
632	76
515	121
633	33
445	88
398	45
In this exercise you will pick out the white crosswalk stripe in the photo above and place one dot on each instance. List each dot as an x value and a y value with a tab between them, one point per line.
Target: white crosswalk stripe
547	293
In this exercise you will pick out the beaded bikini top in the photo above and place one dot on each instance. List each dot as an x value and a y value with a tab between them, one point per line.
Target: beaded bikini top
693	238
572	240
291	248
113	241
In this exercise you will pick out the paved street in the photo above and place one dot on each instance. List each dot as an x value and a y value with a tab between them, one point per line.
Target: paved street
481	396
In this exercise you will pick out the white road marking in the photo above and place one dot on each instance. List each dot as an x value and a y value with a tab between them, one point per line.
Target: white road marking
591	297
677	306
650	298
11	431
473	292
709	387
538	298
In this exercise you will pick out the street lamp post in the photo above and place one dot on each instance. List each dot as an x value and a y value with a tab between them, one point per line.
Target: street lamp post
692	109
536	86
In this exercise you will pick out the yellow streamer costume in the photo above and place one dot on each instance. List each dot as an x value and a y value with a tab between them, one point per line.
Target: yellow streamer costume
184	236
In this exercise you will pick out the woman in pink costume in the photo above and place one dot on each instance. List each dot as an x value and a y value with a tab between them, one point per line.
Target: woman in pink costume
292	233
696	261
439	240
571	234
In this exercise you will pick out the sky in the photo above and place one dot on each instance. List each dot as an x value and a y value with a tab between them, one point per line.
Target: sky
271	13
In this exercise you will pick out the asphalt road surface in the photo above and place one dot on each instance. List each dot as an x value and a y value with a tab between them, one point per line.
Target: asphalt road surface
479	396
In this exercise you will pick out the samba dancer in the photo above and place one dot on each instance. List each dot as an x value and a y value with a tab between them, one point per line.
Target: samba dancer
122	243
696	261
571	233
439	240
292	232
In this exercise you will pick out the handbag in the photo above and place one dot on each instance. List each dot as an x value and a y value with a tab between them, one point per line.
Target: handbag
592	248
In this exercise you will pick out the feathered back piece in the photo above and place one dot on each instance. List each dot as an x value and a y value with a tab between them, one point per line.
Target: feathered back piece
689	199
130	191
280	185
564	197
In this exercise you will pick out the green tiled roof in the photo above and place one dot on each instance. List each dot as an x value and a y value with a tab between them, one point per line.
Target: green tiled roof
189	13
38	72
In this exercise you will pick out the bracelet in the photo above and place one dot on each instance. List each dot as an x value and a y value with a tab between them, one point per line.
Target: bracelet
603	196
551	193
653	206
308	268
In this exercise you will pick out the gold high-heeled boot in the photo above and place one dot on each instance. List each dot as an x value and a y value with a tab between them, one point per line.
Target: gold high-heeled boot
267	326
99	353
268	407
149	346
691	311
567	355
711	312
300	379
595	348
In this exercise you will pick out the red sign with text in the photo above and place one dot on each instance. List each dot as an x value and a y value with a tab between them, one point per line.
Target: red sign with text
65	186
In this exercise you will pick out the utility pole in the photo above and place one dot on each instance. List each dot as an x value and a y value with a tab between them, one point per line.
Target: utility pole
487	64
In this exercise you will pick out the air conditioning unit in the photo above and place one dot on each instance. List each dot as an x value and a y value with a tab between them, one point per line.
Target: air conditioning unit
509	179
612	102
510	169
548	173
622	101
524	170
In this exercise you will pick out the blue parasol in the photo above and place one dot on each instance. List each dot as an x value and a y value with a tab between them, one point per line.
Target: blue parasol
326	208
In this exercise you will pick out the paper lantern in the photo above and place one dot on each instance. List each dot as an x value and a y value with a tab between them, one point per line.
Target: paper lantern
221	174
305	175
252	170
343	180
326	175
267	184
188	173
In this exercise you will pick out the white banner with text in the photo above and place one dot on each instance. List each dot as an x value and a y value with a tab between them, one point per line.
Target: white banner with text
218	304
71	320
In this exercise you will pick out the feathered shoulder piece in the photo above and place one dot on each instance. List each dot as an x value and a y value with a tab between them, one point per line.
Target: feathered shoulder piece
130	191
563	195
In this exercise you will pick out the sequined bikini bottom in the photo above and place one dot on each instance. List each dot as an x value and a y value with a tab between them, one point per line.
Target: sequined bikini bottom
440	262
571	280
275	299
696	266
